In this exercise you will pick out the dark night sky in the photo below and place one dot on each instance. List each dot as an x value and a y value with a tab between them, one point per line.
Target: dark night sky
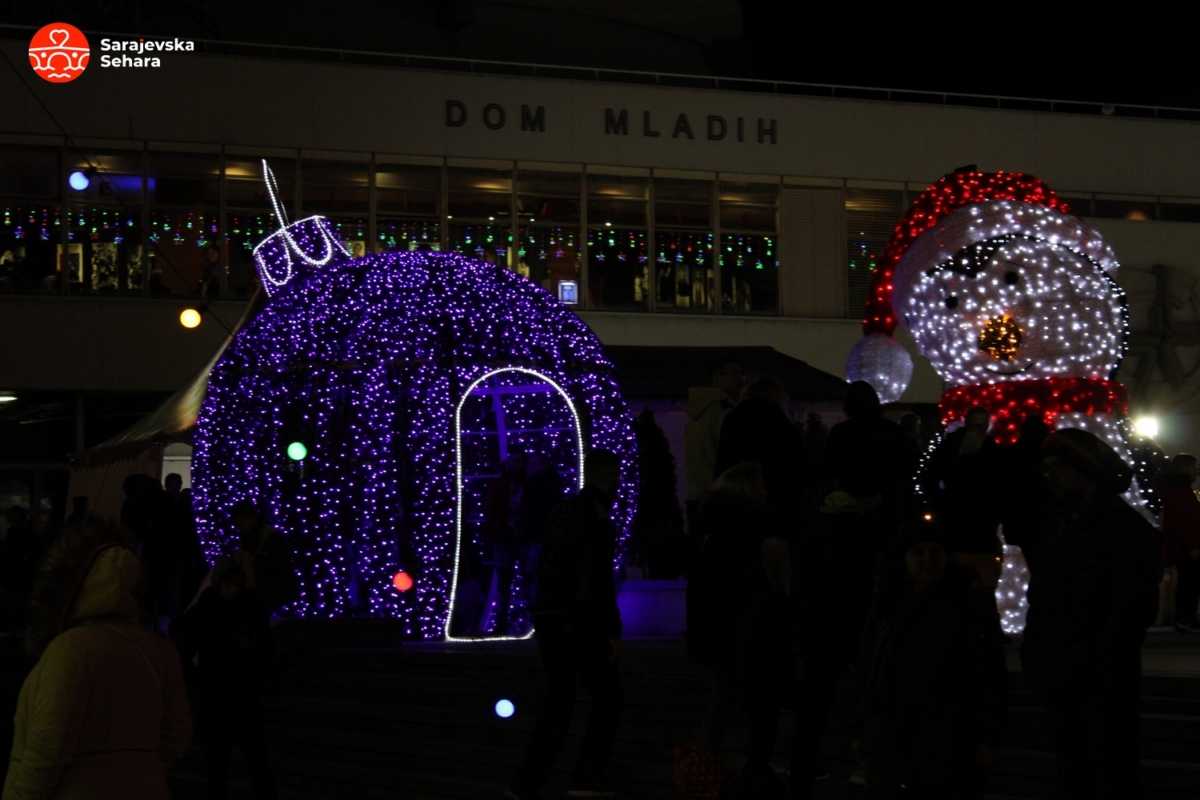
1120	57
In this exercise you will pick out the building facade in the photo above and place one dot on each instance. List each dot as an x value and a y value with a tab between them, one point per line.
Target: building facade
666	214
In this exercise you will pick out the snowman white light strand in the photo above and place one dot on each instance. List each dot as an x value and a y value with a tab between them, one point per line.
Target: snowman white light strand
1012	301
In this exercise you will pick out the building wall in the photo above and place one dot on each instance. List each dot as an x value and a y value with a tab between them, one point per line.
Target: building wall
814	148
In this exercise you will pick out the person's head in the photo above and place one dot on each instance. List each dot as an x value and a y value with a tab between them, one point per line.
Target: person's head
925	562
1184	467
246	518
978	419
910	424
862	401
729	378
770	390
88	572
1077	466
602	472
745	480
173	483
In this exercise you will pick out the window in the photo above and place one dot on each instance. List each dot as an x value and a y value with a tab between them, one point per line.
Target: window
683	244
548	220
1179	209
105	249
871	214
339	191
1138	209
186	246
30	223
749	251
408	207
479	202
617	243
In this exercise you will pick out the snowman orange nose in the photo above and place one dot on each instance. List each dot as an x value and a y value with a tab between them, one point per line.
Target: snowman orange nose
1001	338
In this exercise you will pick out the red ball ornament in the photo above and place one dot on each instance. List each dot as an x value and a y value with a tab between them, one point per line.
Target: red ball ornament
402	581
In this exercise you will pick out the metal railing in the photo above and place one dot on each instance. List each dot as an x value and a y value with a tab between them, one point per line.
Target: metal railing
667	79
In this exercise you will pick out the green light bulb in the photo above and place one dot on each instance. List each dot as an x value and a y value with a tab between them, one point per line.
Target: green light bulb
297	451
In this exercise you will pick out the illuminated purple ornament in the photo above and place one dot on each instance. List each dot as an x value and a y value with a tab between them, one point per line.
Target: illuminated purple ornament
410	378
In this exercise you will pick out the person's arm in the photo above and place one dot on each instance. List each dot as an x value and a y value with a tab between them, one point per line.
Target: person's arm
51	707
176	732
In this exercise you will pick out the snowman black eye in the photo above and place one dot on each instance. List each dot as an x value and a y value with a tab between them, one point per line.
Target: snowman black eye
952	302
1012	277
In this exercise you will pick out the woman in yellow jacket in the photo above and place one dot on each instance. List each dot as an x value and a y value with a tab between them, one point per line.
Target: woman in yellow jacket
104	711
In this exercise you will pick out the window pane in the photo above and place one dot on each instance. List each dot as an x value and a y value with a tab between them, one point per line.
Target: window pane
1112	208
28	240
747	218
548	197
243	233
749	274
404	233
29	172
331	187
683	269
245	189
871	214
691	215
104	250
182	179
478	195
1079	206
617	200
351	231
549	255
617	260
117	179
408	189
488	242
187	247
1180	212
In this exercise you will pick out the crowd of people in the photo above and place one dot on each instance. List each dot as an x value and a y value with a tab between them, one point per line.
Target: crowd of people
129	631
817	559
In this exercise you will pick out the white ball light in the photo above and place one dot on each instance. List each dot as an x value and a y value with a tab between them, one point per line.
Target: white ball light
882	362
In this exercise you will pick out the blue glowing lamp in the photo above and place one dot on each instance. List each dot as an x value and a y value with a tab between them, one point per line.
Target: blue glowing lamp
79	180
505	709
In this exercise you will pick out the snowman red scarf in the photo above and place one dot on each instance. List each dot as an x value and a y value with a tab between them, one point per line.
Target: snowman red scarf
1010	404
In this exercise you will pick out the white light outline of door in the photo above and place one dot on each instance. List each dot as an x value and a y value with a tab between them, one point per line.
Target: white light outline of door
458	487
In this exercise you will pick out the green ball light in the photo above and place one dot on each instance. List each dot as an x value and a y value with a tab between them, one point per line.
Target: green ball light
297	451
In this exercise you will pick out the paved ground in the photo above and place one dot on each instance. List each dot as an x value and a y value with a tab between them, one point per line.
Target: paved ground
360	716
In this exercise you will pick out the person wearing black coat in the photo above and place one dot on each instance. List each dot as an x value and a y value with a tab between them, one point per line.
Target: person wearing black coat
1095	566
933	676
577	626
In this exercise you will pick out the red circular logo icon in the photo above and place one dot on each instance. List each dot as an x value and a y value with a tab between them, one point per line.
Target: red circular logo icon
59	52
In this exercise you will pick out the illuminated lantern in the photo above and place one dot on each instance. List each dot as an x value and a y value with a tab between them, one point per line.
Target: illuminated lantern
408	377
1013	302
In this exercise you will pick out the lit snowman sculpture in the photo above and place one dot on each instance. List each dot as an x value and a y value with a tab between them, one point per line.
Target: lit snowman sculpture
1013	302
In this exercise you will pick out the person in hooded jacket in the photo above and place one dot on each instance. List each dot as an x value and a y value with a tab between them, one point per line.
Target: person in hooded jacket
104	711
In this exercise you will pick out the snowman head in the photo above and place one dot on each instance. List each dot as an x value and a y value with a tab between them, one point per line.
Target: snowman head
1007	291
997	283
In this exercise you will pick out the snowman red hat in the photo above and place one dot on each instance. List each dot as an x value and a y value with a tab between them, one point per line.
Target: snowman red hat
1009	297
